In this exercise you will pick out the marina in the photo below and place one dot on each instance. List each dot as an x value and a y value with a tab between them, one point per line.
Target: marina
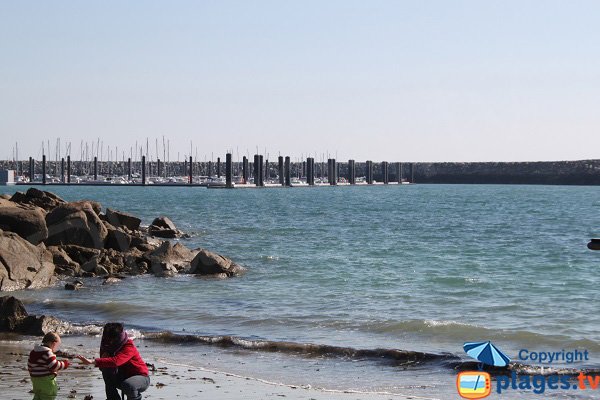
228	174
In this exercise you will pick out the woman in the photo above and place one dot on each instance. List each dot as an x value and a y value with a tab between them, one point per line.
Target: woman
121	364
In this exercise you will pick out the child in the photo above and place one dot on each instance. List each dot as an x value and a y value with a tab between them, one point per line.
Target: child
43	367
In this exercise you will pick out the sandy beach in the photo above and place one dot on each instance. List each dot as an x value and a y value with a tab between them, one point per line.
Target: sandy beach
168	381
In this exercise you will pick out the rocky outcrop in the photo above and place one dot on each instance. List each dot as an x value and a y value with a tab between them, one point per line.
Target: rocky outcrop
38	198
213	264
76	223
50	236
23	265
14	318
163	227
29	223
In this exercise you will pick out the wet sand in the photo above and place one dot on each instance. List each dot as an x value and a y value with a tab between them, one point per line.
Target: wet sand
168	381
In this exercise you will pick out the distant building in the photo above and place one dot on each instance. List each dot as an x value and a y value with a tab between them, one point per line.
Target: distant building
7	177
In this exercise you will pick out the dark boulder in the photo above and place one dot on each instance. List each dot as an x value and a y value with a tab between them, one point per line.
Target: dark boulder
63	262
163	227
23	265
38	198
29	223
80	254
14	318
76	285
117	239
122	219
12	312
594	244
209	263
76	223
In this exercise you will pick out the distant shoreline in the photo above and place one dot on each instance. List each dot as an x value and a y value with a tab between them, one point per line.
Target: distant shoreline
582	172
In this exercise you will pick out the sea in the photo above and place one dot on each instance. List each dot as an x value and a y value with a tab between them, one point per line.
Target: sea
367	289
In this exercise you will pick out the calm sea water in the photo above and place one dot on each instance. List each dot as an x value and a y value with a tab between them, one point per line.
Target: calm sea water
417	267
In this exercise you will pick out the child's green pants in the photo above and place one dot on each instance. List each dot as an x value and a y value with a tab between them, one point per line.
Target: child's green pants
44	387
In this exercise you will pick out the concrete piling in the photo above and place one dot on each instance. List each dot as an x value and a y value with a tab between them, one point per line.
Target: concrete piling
332	171
191	172
261	171
68	169
369	172
351	172
44	169
384	172
228	171
62	170
281	173
143	170
95	168
129	169
256	170
218	167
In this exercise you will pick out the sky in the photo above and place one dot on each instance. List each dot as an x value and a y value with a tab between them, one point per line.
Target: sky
414	81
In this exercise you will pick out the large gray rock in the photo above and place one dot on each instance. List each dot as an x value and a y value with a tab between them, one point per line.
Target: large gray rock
38	198
209	263
14	318
29	223
121	219
168	260
23	265
76	223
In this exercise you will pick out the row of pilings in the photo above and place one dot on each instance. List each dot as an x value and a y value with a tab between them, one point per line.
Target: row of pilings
259	172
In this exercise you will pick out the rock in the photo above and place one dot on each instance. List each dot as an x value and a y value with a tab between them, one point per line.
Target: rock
63	262
30	223
76	223
14	318
168	260
96	267
209	263
594	244
117	239
111	280
79	254
122	219
12	311
76	285
23	265
5	196
39	198
163	227
91	265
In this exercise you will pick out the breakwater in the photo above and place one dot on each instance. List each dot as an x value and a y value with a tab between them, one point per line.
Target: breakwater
581	172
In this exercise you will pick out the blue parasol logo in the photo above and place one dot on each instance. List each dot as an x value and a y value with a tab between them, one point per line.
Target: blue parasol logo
486	353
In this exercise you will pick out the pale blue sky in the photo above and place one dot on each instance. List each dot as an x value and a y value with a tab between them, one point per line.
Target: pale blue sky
381	80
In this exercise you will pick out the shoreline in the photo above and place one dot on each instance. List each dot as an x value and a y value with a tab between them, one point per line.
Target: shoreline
169	380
